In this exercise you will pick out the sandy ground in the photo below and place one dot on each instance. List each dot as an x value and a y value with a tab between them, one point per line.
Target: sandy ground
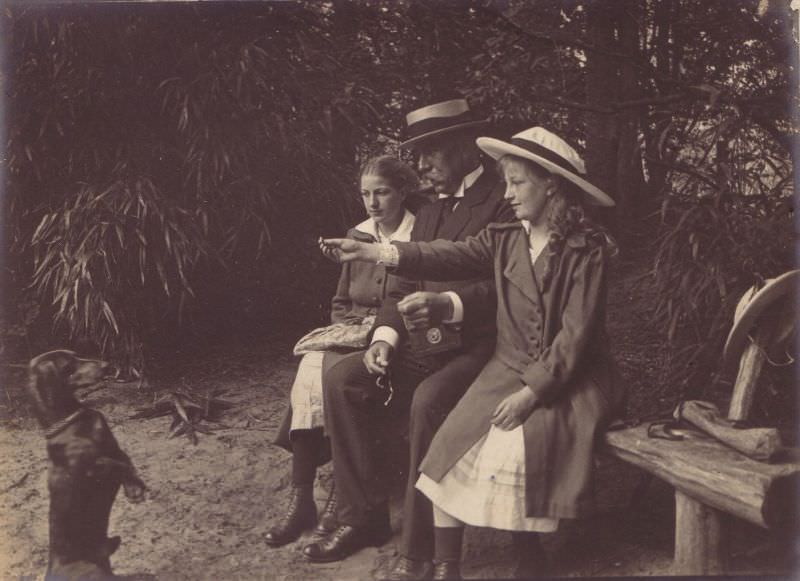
209	506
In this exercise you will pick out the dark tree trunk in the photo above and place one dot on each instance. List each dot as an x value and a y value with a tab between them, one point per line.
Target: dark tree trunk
343	136
630	186
601	90
655	123
613	157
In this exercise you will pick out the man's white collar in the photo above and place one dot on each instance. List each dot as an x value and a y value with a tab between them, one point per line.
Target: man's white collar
467	182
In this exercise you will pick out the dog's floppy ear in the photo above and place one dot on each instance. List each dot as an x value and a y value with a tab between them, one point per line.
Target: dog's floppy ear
60	361
47	373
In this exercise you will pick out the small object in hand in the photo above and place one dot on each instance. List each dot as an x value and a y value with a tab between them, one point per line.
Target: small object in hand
328	249
384	382
87	466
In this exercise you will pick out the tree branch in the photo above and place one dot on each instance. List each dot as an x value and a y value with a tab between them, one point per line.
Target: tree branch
683	169
613	107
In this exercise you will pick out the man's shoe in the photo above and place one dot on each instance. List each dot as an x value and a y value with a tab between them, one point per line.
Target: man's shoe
407	569
327	520
345	541
446	570
301	515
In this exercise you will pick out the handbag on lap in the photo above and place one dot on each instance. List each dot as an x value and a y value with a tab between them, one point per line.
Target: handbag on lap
349	335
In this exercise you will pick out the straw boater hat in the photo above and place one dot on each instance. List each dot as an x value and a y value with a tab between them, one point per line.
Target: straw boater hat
750	311
552	153
437	119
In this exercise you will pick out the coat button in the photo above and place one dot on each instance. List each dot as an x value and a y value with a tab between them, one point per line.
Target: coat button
379	280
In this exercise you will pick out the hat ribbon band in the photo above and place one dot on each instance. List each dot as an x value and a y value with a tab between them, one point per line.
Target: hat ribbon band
547	154
436	123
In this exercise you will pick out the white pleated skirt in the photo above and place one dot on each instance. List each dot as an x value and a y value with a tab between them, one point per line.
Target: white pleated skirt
306	394
486	487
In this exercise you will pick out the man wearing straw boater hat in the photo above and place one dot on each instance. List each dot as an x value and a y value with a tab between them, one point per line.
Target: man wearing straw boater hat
447	333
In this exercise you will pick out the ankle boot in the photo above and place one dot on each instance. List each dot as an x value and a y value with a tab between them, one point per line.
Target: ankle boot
327	522
301	515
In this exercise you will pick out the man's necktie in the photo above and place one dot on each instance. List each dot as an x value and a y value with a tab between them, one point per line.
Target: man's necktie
447	208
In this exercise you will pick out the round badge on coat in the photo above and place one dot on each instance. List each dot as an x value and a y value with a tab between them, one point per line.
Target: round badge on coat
434	335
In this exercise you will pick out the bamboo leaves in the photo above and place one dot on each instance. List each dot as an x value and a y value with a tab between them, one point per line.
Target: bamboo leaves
109	242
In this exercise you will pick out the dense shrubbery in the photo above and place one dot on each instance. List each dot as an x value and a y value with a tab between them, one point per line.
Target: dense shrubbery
707	255
727	223
170	166
149	159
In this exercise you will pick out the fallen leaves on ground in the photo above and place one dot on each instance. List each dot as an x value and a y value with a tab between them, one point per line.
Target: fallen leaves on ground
188	410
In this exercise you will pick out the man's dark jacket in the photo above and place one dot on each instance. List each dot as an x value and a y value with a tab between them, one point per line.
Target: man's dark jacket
482	204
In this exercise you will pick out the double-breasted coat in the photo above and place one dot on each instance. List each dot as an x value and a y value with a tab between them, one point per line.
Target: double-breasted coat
551	337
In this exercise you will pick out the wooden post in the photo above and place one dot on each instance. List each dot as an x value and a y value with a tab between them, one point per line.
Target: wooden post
750	366
700	538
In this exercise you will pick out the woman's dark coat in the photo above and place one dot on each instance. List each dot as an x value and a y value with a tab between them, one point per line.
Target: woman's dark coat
551	337
361	289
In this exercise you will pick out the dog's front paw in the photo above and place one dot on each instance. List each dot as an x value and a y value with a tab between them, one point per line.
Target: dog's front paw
134	491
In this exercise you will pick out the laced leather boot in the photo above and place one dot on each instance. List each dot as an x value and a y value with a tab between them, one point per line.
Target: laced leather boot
301	515
328	522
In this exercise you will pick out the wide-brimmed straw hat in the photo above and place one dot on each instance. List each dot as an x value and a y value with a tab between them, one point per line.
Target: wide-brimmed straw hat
552	153
439	118
750	312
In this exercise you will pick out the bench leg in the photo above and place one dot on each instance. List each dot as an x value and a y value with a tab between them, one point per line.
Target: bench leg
700	538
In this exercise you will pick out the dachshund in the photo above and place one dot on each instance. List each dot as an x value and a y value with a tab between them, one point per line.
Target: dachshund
86	469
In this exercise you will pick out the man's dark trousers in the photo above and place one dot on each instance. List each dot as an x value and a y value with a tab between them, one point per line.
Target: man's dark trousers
355	414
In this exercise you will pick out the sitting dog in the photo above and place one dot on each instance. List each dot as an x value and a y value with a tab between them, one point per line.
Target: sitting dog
87	467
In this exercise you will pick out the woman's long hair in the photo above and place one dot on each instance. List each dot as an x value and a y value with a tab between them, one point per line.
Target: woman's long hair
566	215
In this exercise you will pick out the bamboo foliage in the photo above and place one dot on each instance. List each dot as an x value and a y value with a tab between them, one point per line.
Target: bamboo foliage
140	162
726	225
111	260
213	142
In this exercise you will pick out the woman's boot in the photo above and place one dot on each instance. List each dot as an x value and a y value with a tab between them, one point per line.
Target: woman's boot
300	516
447	552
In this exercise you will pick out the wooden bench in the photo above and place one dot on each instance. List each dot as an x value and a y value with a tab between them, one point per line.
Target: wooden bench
712	480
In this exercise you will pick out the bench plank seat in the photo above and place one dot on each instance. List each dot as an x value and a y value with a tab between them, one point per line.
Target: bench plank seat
714	474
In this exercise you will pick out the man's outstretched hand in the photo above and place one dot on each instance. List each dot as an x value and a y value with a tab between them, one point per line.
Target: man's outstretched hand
346	250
